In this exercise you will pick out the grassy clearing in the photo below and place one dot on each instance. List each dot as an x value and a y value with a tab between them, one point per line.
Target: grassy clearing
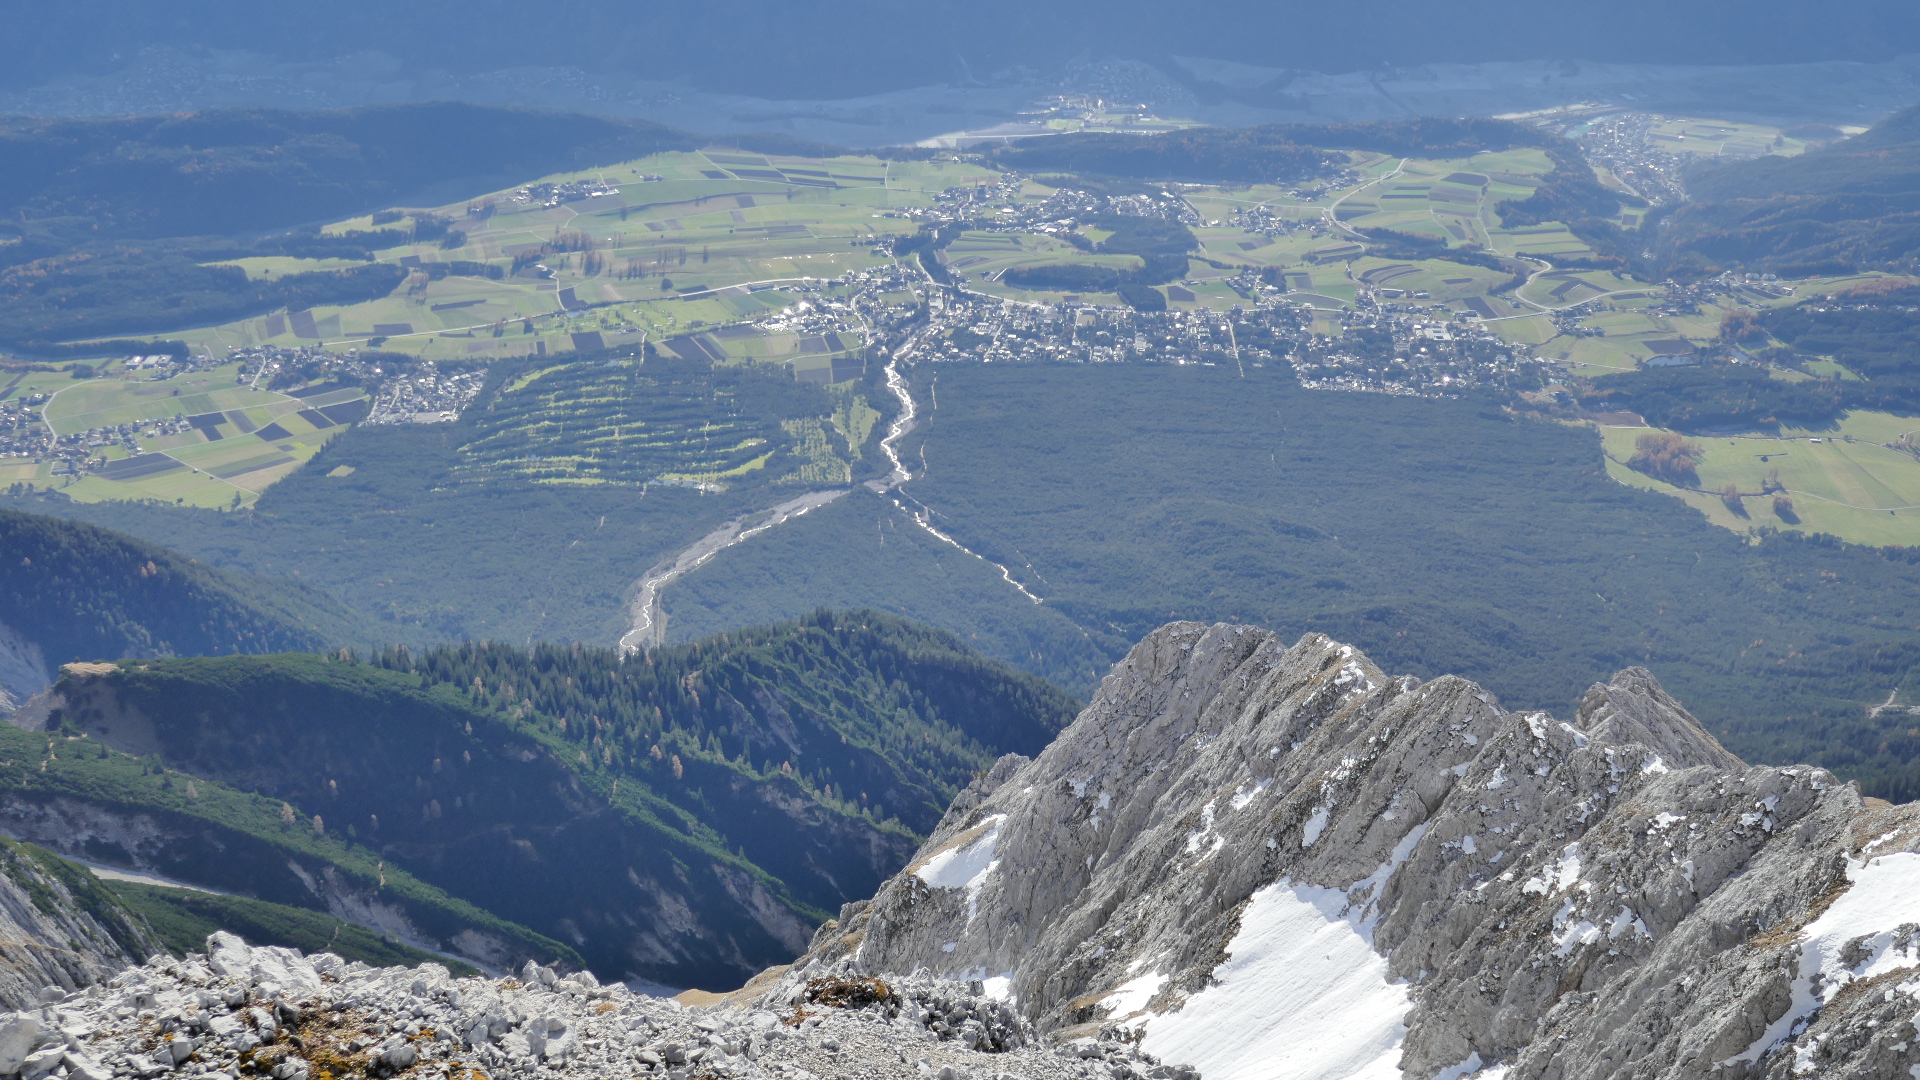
1723	139
1847	482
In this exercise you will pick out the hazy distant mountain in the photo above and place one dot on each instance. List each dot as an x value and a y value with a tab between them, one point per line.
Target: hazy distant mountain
842	48
1854	205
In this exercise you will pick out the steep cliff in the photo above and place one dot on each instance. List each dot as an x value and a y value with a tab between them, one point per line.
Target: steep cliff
1272	862
60	927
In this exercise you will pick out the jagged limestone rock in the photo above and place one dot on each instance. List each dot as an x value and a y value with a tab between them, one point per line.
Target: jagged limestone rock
60	929
271	1012
1281	862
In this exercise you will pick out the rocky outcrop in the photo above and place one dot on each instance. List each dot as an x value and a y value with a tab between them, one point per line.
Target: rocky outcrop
60	929
1280	861
23	669
271	1012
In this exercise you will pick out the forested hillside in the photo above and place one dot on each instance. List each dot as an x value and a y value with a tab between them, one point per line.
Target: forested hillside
66	179
105	223
1441	536
77	796
1854	205
1872	330
86	593
687	814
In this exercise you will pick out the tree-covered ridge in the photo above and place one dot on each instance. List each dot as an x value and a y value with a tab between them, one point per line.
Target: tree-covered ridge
1854	205
84	593
226	171
758	780
201	830
861	707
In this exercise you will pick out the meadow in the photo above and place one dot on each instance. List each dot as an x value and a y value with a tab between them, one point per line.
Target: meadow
669	245
1859	480
207	438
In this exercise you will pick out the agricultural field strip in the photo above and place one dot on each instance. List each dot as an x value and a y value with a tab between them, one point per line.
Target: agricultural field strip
280	405
1824	469
1823	440
767	248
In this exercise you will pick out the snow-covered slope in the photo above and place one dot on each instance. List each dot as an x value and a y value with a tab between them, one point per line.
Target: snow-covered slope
1273	862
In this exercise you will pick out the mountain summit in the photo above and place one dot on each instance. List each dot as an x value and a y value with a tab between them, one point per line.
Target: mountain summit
1271	862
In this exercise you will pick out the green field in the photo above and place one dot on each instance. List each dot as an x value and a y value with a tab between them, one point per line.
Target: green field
1632	331
719	238
1853	482
683	244
237	439
1722	139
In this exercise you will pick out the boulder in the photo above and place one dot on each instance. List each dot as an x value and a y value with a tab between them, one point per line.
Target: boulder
19	1034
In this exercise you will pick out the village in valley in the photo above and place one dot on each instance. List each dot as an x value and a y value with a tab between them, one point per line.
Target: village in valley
1366	273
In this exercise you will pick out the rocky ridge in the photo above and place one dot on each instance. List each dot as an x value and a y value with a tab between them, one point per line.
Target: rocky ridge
270	1012
59	927
1279	861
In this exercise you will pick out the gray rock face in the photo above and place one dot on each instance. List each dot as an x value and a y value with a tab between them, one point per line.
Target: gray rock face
1281	862
59	929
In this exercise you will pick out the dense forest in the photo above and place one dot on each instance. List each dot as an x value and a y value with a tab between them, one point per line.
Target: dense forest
128	290
761	779
1441	536
86	593
865	550
1854	205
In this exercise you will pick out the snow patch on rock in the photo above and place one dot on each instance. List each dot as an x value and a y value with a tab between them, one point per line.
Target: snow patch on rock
965	866
1302	996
